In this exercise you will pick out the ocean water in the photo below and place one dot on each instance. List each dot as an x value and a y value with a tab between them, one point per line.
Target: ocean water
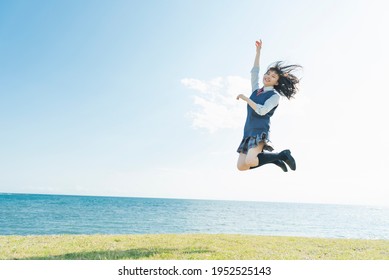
25	214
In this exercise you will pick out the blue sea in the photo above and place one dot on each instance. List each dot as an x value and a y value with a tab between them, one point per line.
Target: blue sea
26	214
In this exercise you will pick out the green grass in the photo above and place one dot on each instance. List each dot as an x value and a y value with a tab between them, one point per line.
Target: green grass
189	247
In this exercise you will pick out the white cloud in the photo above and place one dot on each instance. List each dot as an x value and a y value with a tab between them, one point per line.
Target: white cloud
216	107
215	102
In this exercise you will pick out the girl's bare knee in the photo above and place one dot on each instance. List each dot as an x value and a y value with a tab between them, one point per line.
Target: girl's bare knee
252	161
242	167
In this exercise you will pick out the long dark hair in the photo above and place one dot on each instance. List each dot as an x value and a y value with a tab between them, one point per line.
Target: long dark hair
287	82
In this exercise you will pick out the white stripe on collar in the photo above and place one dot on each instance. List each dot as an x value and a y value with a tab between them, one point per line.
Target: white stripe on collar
268	88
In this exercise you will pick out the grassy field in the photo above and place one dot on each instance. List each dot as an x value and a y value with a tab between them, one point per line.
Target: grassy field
189	247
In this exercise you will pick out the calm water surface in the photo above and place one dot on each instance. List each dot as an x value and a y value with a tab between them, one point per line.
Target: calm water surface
22	214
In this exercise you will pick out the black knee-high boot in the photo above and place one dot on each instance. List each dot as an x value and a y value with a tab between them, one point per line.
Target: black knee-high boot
288	159
277	162
281	165
277	159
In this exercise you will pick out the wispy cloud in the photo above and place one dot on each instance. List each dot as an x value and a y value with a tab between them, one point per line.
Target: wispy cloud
215	104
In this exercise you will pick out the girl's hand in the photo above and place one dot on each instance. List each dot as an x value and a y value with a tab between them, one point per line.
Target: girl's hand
258	45
241	96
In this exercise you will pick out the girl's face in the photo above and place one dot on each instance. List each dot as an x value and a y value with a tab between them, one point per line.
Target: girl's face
270	78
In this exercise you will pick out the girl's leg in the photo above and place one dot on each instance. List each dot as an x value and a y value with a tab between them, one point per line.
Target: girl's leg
252	155
278	159
242	166
256	158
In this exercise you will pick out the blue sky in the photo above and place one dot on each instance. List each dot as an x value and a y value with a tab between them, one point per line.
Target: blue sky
137	98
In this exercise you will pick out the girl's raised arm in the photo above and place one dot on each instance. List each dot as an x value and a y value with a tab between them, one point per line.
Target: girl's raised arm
255	70
258	46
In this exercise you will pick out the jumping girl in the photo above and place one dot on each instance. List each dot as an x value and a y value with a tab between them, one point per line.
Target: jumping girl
278	80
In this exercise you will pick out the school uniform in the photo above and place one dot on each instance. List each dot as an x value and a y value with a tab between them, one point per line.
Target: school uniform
257	126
